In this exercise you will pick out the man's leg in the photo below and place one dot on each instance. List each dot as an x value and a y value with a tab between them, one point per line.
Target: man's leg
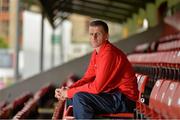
86	105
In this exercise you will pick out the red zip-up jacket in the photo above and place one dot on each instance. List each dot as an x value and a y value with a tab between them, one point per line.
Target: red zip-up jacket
108	70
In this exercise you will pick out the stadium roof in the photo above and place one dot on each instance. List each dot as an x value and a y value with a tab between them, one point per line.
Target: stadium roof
112	10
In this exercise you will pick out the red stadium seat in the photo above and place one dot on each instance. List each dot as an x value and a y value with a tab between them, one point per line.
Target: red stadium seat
142	81
157	106
175	104
164	101
148	110
30	106
58	112
154	92
167	100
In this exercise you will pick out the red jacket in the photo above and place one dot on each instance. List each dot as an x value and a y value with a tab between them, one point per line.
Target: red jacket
107	70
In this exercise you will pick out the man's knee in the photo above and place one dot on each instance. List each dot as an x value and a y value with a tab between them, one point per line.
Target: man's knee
82	108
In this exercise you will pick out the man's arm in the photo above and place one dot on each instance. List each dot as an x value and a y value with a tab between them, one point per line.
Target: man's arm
89	75
109	64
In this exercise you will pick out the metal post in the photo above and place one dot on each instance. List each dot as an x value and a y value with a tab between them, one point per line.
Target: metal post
16	40
52	49
61	44
42	43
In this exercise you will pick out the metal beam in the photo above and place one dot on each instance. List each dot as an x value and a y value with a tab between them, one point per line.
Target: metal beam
131	3
104	11
107	4
95	15
48	12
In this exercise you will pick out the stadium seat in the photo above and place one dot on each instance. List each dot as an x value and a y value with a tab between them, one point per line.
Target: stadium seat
156	102
175	104
59	110
147	110
167	100
164	101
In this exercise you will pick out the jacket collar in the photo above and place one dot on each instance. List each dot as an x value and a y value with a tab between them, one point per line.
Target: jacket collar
102	47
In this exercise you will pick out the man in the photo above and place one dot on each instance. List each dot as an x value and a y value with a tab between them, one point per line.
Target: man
109	84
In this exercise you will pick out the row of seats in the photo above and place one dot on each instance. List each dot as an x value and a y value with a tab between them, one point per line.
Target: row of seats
30	109
157	65
170	37
9	110
164	101
165	43
168	43
164	65
169	58
163	88
172	45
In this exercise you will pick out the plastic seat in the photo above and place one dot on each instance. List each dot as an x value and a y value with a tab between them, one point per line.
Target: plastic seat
164	101
148	110
24	113
154	93
175	105
158	105
167	100
172	45
58	112
143	80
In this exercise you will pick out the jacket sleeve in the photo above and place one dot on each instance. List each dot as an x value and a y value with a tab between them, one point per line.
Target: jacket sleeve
88	76
106	70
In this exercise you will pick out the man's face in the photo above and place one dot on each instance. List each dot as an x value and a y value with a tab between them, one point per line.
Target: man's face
97	36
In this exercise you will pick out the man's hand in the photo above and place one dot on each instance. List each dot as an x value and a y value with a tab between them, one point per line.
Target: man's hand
61	93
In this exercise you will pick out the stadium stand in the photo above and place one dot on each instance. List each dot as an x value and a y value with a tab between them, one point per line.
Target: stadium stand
157	65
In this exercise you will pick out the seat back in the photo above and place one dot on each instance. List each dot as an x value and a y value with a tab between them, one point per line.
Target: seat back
167	100
158	105
154	93
58	111
142	81
175	104
138	76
